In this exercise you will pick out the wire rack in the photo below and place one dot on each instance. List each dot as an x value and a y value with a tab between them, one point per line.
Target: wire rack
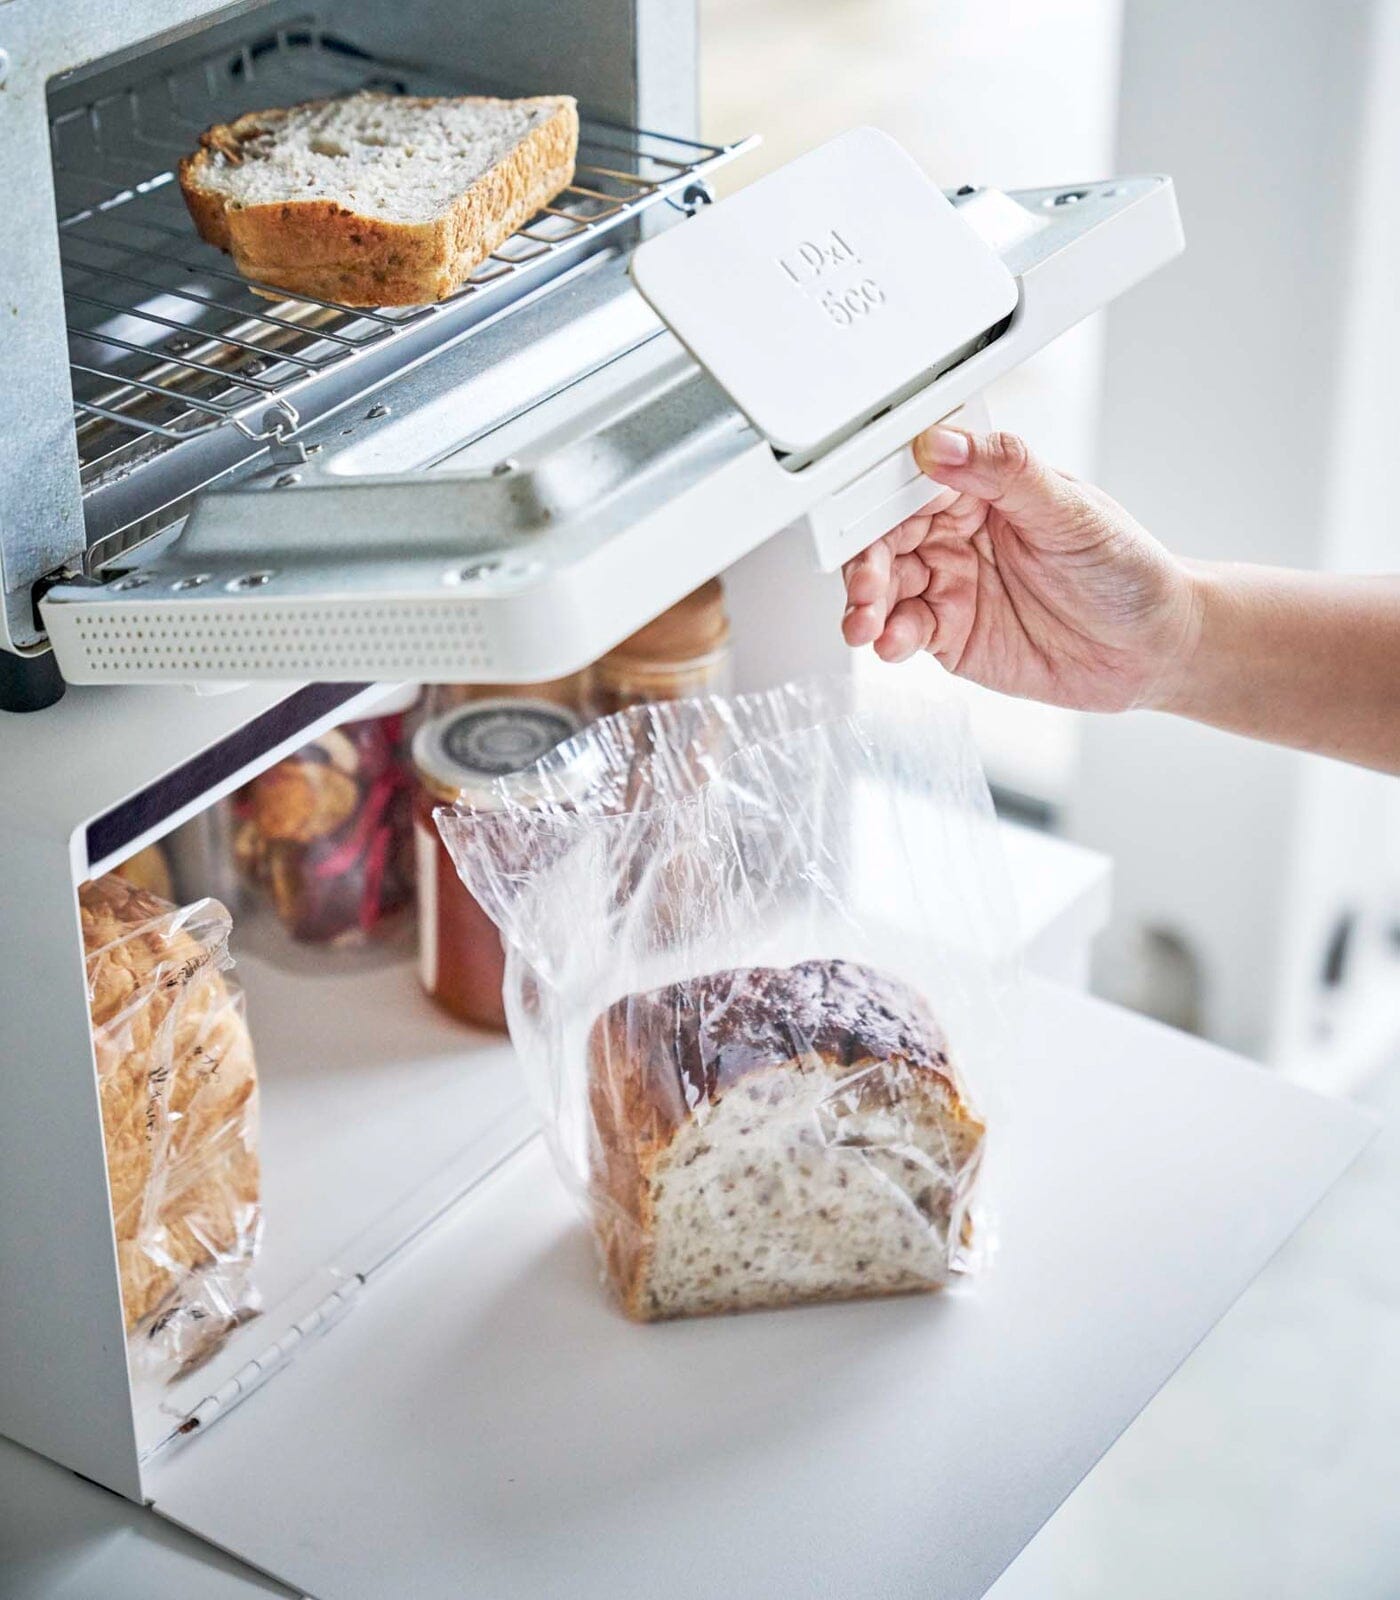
169	345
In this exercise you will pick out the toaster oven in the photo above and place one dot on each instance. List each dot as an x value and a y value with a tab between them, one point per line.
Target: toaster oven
210	484
301	505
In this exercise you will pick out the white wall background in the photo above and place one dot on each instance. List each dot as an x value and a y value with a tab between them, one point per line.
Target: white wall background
1250	413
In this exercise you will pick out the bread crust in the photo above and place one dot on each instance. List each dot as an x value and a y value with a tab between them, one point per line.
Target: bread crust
325	250
653	1057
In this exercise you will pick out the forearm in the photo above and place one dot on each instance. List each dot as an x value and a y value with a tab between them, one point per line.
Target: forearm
1304	659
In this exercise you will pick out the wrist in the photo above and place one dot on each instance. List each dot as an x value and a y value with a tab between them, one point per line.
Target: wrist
1180	684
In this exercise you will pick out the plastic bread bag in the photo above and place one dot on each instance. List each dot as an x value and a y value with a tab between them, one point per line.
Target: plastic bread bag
759	964
178	1091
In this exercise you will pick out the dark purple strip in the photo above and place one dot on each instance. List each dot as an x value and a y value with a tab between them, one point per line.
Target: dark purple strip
158	801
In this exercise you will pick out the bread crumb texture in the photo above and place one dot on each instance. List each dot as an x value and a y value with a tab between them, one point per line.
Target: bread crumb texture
771	1136
377	199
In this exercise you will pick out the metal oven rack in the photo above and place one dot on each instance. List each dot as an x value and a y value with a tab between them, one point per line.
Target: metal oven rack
181	369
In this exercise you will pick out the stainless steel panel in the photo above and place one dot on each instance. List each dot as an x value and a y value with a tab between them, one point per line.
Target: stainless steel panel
41	522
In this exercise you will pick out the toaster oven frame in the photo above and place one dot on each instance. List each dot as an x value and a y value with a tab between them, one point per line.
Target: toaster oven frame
632	64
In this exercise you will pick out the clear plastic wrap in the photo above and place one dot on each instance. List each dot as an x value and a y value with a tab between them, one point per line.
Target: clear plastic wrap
759	955
178	1090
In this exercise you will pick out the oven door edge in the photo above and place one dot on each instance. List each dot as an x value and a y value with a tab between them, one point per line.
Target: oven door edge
527	547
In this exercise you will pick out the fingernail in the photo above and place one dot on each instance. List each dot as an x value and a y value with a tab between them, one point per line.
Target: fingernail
945	447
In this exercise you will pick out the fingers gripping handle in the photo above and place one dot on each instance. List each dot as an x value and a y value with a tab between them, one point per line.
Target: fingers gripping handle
866	509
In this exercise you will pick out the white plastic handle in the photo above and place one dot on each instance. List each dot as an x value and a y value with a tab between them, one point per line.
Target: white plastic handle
881	497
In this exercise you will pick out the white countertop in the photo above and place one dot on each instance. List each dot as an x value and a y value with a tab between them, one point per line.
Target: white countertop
486	1423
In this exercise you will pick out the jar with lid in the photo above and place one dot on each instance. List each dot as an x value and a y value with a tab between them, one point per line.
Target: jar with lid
683	652
459	758
327	833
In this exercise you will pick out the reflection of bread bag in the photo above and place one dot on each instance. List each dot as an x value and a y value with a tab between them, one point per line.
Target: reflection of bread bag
178	1091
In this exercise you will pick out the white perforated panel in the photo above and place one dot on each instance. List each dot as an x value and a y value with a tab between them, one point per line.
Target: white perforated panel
243	639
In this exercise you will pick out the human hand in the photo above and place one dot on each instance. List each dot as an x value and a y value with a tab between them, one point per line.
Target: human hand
1022	579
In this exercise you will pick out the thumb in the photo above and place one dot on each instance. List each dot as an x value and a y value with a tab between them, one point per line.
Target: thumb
1000	469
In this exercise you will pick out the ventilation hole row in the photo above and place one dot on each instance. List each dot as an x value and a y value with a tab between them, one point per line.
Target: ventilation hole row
295	666
348	629
350	626
236	647
457	616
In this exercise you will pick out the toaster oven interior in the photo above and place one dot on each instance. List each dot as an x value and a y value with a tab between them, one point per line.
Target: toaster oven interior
181	369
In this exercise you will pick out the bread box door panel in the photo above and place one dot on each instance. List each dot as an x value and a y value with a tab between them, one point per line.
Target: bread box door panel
485	1423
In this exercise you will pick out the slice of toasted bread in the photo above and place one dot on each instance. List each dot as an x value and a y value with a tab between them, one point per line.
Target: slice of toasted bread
377	200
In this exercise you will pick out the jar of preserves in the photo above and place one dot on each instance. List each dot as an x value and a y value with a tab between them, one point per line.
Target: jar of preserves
683	652
459	757
327	833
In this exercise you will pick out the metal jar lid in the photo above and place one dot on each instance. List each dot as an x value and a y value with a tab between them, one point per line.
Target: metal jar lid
463	753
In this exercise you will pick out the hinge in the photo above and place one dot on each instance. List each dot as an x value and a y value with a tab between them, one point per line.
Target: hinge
73	577
253	1374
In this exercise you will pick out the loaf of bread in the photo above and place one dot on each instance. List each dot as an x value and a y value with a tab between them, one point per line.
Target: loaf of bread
178	1091
377	199
767	1136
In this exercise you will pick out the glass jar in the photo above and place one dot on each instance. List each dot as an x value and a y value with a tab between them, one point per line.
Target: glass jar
458	757
327	833
683	652
439	698
202	859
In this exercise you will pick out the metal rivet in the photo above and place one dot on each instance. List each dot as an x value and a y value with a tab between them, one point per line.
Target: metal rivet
196	580
250	580
376	411
314	449
137	580
1070	197
502	468
286	480
966	188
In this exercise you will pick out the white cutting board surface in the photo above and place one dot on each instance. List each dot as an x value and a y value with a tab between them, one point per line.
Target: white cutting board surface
484	1424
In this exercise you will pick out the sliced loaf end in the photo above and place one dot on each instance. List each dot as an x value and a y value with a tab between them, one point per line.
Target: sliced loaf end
765	1204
